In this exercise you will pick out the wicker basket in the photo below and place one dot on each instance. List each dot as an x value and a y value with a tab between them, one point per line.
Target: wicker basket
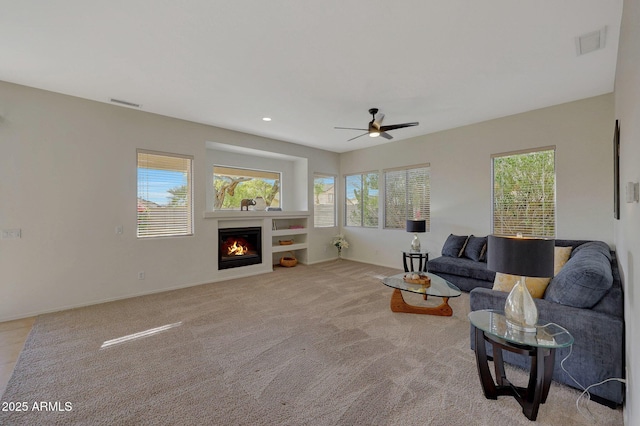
288	261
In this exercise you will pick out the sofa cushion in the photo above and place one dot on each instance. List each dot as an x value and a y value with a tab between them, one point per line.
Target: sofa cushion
461	266
454	246
476	248
584	280
535	285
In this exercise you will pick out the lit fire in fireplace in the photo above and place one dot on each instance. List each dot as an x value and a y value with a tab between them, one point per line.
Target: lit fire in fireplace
237	249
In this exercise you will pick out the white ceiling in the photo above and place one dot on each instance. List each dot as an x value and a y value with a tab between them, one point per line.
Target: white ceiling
312	65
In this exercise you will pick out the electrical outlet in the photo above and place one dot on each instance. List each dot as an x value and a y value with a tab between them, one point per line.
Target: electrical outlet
119	229
11	233
141	275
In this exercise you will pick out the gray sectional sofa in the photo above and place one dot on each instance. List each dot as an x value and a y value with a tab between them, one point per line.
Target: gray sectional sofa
585	297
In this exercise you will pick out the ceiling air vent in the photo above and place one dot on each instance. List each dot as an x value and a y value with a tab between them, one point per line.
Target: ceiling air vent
587	43
125	103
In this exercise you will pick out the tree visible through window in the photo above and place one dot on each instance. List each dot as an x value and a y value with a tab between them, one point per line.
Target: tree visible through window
361	200
524	197
232	185
324	205
407	195
164	195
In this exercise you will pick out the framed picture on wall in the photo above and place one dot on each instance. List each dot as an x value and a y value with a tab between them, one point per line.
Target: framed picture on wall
616	171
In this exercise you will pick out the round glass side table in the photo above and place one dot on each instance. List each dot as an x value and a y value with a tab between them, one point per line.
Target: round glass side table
491	326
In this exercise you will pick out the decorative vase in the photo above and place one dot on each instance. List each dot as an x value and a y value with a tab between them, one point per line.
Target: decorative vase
520	309
261	204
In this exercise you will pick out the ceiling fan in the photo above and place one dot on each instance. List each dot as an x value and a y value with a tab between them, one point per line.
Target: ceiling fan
375	129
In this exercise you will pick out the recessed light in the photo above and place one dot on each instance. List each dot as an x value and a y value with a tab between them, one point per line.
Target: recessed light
266	119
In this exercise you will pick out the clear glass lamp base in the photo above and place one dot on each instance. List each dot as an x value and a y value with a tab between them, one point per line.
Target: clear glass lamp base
520	309
415	243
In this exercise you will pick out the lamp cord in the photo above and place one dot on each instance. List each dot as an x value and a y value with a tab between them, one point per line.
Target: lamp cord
585	391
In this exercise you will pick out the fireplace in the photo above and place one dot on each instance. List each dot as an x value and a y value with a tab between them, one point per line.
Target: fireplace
239	247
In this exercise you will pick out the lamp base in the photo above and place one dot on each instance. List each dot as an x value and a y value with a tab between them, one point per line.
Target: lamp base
415	243
520	309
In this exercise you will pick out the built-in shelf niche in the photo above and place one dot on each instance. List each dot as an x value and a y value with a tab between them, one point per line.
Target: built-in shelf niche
286	229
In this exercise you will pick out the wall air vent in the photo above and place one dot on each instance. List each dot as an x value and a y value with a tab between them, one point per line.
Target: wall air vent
587	43
125	103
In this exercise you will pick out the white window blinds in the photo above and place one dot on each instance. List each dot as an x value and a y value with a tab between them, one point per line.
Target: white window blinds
324	205
164	195
524	196
407	195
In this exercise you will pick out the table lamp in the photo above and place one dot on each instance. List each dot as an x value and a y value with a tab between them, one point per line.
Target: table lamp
525	257
416	226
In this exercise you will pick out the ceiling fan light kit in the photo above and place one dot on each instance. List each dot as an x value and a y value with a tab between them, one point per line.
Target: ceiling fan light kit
375	128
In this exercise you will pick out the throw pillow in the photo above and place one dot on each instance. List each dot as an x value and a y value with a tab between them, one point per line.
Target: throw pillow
476	248
584	280
560	257
454	246
536	286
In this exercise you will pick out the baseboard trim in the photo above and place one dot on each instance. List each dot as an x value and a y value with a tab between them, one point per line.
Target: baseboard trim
113	299
155	291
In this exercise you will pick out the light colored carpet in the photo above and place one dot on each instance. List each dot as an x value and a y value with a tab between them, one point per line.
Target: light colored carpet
310	345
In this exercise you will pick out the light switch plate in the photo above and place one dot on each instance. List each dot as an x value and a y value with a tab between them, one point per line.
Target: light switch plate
632	192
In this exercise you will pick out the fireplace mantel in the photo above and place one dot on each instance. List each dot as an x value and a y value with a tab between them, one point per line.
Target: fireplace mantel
252	214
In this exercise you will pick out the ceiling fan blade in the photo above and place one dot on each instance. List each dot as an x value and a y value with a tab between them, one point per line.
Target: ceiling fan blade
377	121
358	136
397	126
349	128
375	127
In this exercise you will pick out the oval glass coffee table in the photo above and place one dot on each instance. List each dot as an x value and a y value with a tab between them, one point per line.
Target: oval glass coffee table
439	287
541	345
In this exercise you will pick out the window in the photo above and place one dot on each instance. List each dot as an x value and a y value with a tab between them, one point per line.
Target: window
407	195
324	207
165	205
524	197
232	185
361	200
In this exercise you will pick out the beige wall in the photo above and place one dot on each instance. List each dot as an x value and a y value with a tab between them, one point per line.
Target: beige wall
68	178
627	229
460	162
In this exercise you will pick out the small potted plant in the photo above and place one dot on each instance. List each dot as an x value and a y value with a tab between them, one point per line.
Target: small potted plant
340	242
